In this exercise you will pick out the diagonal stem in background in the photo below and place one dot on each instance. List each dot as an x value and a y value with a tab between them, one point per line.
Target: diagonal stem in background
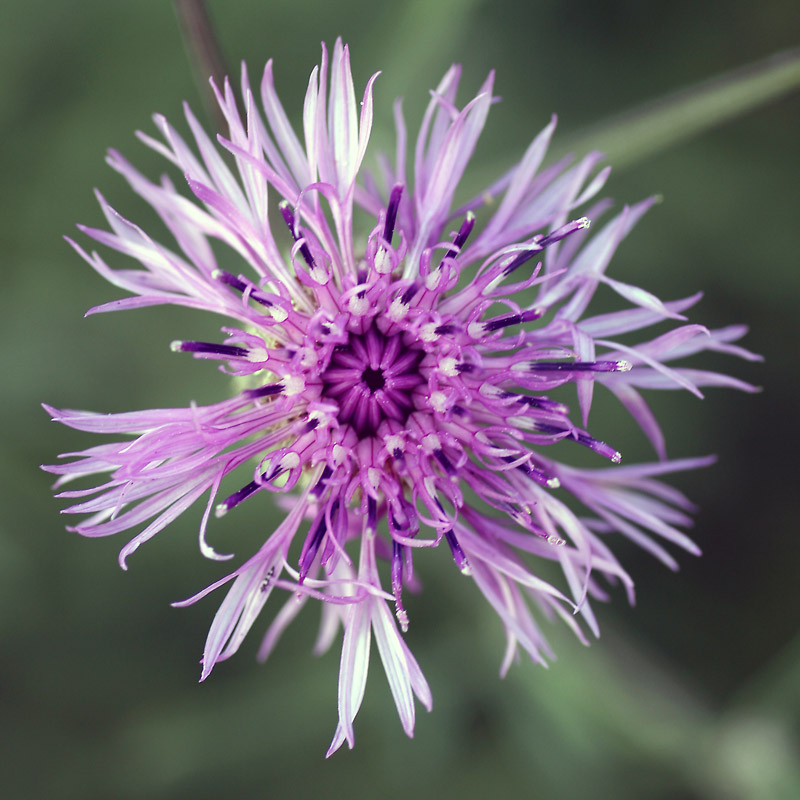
637	134
205	53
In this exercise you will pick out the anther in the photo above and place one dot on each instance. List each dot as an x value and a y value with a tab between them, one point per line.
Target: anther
565	230
312	543
541	403
264	391
289	219
601	448
461	237
506	320
458	554
391	213
237	283
538	243
209	349
397	585
408	294
579	366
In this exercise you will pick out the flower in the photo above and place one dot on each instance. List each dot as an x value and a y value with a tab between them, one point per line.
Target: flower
404	390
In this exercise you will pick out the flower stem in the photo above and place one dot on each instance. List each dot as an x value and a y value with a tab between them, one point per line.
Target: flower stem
205	52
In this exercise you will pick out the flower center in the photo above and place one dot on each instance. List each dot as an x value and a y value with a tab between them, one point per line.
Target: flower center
372	378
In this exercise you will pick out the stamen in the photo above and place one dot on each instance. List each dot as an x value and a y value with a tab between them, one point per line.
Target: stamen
408	294
229	280
601	448
542	403
251	488
319	488
536	474
237	497
461	237
372	515
445	462
397	585
313	541
507	320
579	366
538	243
288	217
458	554
391	213
565	230
522	258
264	391
236	283
209	349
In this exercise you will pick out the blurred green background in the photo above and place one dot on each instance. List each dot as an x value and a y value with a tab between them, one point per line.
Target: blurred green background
694	693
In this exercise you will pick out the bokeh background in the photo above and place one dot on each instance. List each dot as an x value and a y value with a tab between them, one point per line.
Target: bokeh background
694	693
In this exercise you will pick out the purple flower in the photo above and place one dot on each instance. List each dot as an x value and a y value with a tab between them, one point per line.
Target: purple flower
403	386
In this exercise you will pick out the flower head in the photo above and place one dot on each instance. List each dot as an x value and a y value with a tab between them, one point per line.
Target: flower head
401	382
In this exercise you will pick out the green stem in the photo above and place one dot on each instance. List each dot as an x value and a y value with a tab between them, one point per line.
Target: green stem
637	134
205	53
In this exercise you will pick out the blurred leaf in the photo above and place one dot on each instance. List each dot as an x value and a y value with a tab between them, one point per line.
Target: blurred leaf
655	126
775	688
